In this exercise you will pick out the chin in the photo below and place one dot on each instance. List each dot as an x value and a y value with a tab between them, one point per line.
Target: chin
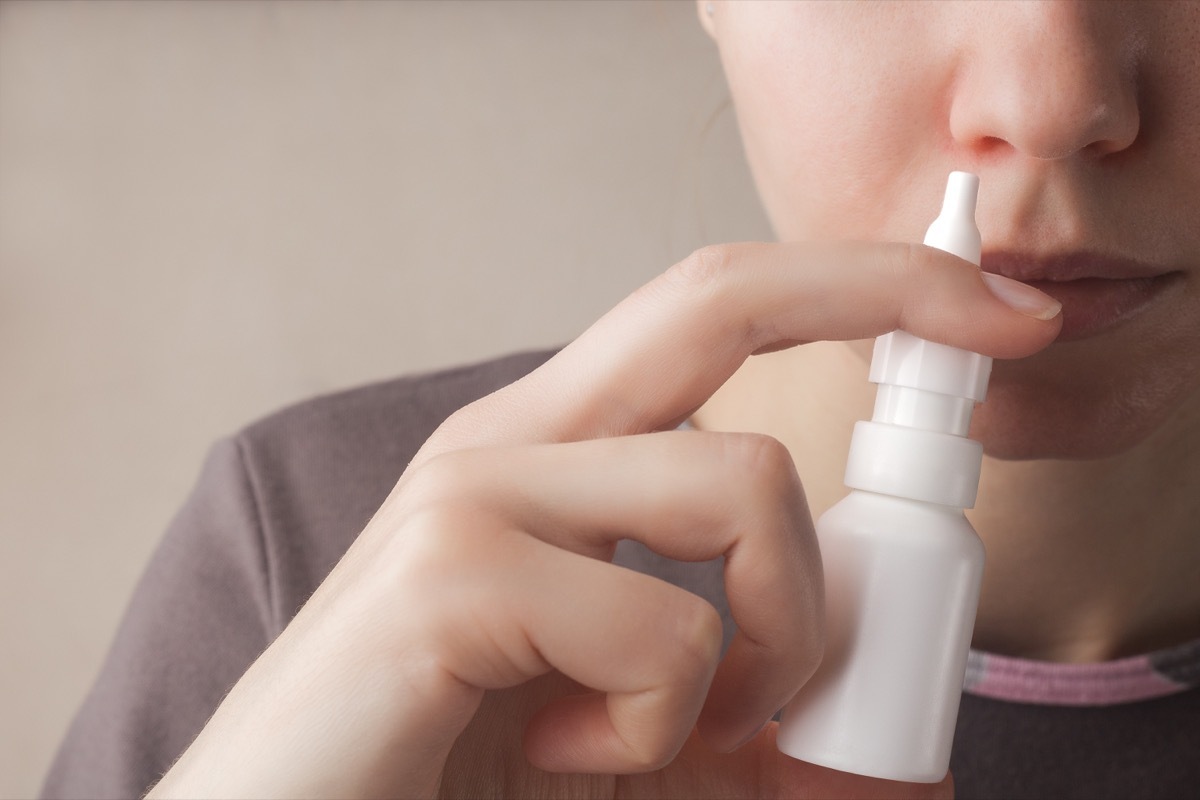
1016	424
1032	412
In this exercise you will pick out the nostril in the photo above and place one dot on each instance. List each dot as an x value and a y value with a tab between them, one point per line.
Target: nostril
989	145
1114	130
1045	133
1063	91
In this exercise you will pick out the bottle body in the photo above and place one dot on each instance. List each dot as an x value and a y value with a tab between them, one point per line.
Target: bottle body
902	584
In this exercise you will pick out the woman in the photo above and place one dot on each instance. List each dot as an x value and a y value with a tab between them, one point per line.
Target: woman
474	638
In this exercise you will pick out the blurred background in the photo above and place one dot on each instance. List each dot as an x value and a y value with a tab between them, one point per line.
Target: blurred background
209	210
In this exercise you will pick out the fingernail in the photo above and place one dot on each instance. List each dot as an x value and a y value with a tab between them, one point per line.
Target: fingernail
1022	297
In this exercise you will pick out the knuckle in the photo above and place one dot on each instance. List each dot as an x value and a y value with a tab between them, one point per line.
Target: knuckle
435	515
444	480
705	266
456	432
415	556
765	462
432	542
698	636
688	659
652	757
715	281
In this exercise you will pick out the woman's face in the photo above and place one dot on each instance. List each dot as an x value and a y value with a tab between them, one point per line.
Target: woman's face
1082	121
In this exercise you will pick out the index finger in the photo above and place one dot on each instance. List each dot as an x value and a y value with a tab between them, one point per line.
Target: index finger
657	356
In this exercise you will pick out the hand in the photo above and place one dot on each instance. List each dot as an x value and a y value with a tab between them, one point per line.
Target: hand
475	640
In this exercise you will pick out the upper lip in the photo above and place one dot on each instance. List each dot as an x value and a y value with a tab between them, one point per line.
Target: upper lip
1067	266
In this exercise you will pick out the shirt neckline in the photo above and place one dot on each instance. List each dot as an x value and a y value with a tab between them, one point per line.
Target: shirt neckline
1124	680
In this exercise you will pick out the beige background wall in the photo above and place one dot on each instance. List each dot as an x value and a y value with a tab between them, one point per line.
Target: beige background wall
211	209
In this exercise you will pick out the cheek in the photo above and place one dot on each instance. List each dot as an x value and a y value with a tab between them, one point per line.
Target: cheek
836	126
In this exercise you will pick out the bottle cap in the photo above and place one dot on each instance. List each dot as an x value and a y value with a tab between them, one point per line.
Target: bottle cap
915	444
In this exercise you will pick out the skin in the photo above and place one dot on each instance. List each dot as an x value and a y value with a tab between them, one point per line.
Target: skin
1082	122
524	664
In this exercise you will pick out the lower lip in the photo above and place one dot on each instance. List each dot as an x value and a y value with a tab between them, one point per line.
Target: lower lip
1093	305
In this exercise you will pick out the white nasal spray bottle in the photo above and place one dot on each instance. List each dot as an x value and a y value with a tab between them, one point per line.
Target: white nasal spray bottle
902	563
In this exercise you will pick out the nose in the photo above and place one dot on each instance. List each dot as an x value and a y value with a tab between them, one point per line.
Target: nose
1049	80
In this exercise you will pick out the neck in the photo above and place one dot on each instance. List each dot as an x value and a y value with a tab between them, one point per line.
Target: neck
1086	560
1110	545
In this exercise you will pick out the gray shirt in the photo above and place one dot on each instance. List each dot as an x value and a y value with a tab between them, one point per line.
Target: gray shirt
277	505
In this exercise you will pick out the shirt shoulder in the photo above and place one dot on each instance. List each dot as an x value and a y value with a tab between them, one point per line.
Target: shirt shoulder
274	508
319	469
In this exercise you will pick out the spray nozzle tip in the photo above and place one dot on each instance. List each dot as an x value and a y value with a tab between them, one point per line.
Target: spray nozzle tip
962	192
954	230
